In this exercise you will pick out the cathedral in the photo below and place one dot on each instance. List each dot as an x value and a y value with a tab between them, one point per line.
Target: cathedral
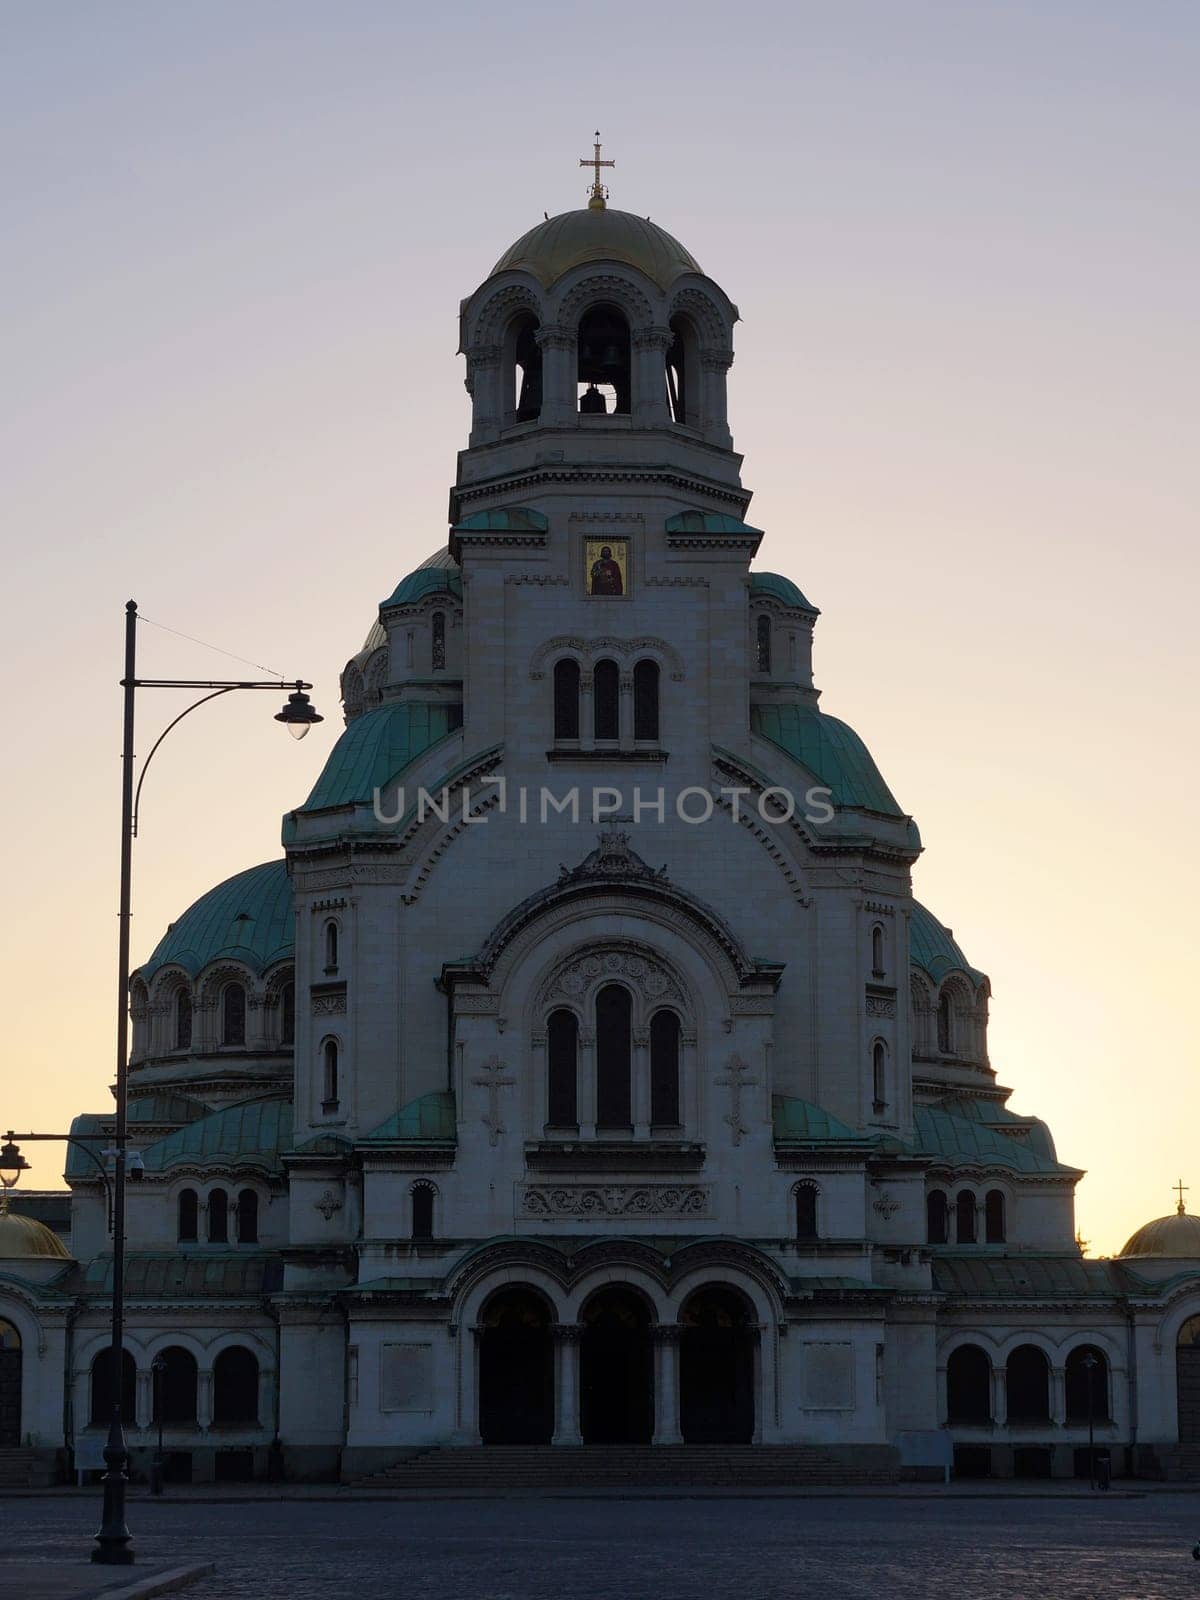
584	1073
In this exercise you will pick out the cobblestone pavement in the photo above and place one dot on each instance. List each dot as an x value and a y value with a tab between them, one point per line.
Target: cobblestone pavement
822	1549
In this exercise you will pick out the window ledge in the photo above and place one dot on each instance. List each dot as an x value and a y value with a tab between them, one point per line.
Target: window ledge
607	753
614	1153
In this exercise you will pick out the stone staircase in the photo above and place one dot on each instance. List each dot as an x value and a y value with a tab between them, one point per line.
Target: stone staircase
501	1468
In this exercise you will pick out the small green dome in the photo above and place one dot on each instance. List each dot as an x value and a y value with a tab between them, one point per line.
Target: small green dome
553	247
440	573
247	918
830	750
933	948
780	588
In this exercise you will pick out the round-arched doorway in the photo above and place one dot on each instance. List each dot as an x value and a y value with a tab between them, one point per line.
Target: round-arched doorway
516	1370
1187	1381
10	1386
716	1369
616	1382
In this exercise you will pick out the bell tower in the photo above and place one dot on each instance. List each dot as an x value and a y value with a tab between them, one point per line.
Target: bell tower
597	359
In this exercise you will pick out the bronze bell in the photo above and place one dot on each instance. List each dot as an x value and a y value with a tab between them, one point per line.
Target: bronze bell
592	402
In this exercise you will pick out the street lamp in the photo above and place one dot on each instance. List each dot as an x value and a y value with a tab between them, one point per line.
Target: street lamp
12	1164
298	715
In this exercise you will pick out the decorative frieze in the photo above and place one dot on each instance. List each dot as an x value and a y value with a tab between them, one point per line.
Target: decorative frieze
616	1200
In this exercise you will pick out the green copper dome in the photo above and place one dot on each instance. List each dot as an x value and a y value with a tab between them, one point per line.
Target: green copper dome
440	574
247	918
376	748
553	247
780	588
933	948
830	750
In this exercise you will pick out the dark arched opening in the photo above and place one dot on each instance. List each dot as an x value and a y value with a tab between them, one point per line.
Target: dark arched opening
716	1369
993	1216
664	1069
1187	1381
937	1217
247	1217
645	700
683	373
806	1211
10	1386
964	1216
101	1412
235	1386
516	1370
562	1050
1087	1384
604	363
969	1385
189	1216
615	1370
218	1217
606	701
566	699
183	1019
422	1211
287	1014
762	643
175	1391
613	1015
523	402
233	1014
1028	1380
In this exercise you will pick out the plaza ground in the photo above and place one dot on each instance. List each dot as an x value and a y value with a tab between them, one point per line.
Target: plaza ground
832	1547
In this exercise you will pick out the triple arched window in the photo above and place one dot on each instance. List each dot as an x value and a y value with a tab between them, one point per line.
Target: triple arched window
240	1218
608	691
614	1058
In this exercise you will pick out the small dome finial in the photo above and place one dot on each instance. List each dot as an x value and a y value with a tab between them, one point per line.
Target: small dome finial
598	196
1181	1188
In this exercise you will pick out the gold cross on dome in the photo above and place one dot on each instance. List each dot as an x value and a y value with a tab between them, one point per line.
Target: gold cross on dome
1181	1189
599	193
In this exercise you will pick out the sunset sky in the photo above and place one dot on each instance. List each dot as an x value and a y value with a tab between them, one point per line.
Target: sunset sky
964	242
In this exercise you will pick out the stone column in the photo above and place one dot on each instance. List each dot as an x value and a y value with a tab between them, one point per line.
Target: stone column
559	366
586	1104
204	1383
541	1083
715	365
650	408
943	1403
587	711
641	1082
666	1383
1000	1397
483	385
1058	1396
566	1336
757	1329
470	1432
144	1399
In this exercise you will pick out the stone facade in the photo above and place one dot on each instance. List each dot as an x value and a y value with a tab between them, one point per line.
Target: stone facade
588	1072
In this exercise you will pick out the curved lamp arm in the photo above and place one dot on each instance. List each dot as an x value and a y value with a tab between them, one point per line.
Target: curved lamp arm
204	699
80	1144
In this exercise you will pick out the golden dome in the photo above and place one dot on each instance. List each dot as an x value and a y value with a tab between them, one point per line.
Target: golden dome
597	234
1175	1238
26	1236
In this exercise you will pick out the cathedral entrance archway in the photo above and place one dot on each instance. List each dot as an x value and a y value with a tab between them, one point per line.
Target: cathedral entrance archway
10	1386
516	1370
716	1369
1187	1381
615	1369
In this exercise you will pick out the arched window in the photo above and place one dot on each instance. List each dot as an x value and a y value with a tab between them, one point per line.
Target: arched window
879	1074
287	1014
613	1014
877	965
175	1390
937	1217
247	1217
1028	1385
806	1211
604	364
101	1412
329	1074
645	700
233	1014
606	698
183	1019
968	1385
566	699
964	1217
762	643
331	946
683	373
422	1211
235	1386
993	1216
664	1069
524	370
218	1217
189	1216
1087	1384
945	1025
562	1048
438	647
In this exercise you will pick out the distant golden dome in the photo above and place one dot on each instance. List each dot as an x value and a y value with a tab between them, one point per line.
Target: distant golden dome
1175	1238
597	234
25	1236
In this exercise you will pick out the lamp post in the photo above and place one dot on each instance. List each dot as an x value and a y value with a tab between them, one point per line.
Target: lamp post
298	715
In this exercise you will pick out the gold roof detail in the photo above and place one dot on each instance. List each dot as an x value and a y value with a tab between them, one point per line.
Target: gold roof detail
553	247
26	1236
